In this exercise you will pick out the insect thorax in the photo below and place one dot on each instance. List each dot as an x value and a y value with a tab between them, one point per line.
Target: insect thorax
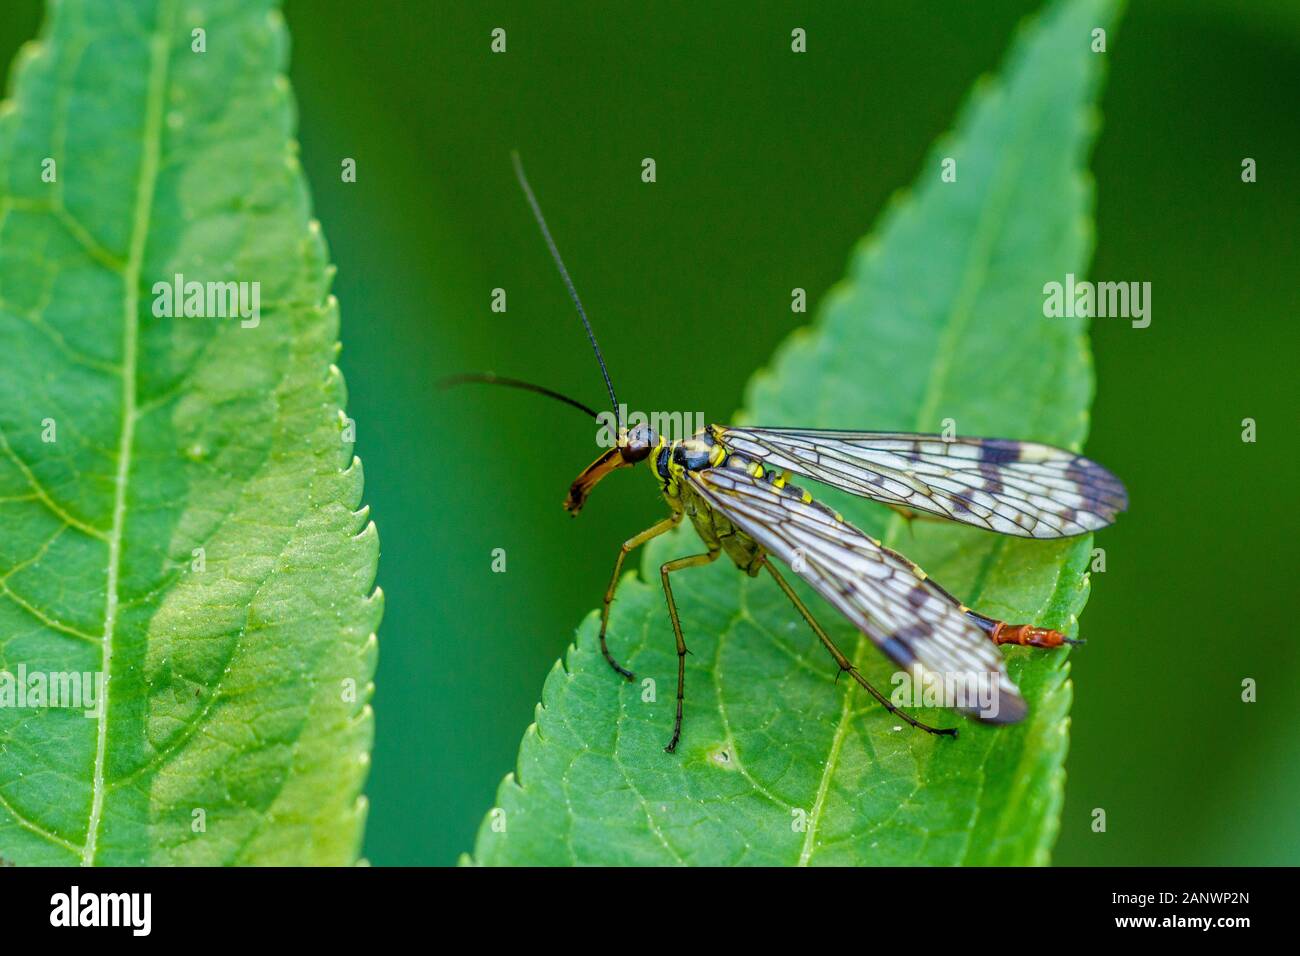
703	451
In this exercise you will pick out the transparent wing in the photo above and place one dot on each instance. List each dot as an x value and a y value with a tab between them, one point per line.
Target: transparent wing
1012	487
914	621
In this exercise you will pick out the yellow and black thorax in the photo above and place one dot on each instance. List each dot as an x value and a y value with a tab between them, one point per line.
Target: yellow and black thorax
707	450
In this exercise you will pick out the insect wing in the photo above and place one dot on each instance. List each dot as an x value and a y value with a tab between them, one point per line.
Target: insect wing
1012	487
883	594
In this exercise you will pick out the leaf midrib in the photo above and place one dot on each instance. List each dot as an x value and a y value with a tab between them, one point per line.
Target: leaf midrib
146	184
975	267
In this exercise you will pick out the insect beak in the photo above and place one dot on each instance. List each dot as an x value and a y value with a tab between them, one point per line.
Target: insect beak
598	469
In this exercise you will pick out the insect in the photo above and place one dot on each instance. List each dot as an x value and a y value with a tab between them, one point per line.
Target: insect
734	485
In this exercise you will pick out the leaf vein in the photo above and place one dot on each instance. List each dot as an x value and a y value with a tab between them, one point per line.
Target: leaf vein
146	184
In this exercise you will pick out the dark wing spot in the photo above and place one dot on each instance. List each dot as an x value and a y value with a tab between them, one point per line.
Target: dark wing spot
1097	484
918	595
898	652
913	631
961	504
992	478
999	451
910	635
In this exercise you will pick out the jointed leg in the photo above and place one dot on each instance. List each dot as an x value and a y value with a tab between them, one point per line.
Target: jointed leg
845	663
636	541
693	561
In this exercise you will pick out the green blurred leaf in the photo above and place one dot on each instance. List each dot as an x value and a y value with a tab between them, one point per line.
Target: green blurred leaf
941	317
228	687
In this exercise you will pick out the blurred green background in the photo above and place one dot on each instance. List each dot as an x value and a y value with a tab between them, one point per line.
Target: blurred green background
770	167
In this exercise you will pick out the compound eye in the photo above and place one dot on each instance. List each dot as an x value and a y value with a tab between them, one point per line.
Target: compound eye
636	449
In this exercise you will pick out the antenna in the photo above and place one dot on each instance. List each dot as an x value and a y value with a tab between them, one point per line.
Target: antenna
488	378
564	274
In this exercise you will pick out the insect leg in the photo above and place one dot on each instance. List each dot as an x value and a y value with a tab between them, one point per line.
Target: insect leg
694	560
845	664
633	542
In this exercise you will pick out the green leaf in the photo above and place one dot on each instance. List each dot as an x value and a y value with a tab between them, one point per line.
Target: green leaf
230	733
941	317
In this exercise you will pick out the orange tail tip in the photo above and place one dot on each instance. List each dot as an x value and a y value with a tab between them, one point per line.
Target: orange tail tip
1026	635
